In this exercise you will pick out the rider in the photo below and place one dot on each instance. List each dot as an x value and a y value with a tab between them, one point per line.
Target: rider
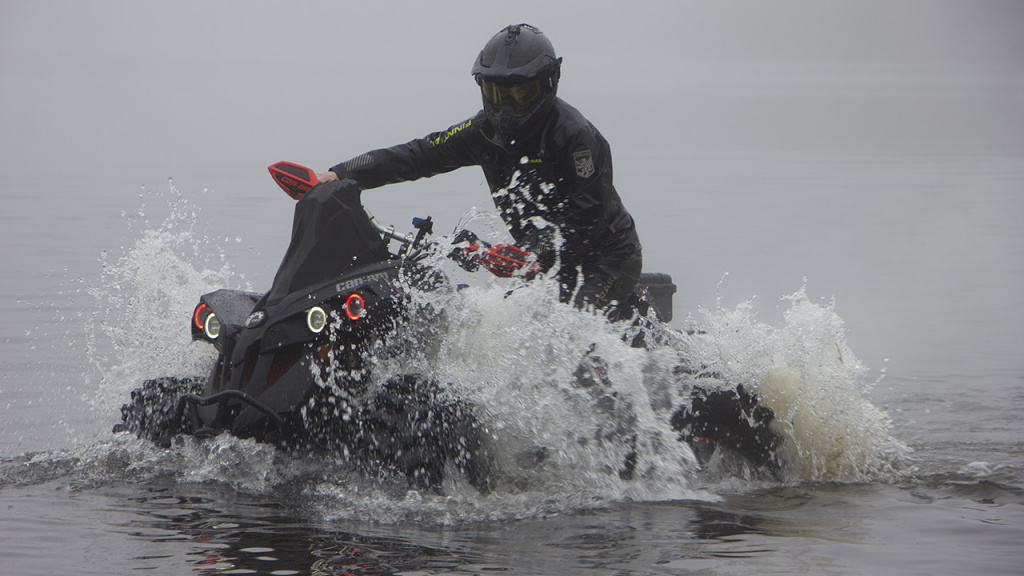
548	168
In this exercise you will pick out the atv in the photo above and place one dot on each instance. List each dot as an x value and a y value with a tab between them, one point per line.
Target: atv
294	365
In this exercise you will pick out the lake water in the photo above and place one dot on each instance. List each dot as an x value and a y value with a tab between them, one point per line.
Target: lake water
881	290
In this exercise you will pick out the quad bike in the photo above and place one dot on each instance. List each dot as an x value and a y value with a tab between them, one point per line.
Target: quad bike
294	364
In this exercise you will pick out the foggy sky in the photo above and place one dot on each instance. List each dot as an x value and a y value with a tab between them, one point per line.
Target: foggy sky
158	89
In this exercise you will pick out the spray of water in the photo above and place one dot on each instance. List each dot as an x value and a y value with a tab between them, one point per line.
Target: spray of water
566	401
145	299
807	374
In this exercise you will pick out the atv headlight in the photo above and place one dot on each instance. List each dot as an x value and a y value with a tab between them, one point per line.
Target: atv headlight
212	326
200	314
316	319
205	322
355	307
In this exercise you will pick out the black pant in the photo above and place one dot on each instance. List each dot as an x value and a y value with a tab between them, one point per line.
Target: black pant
608	282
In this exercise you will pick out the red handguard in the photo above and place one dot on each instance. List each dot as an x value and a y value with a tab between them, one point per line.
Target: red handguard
505	260
294	179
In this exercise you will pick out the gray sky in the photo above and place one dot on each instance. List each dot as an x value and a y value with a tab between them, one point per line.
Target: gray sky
204	88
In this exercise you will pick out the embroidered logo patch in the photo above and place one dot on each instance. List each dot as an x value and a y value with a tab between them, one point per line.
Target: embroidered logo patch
584	163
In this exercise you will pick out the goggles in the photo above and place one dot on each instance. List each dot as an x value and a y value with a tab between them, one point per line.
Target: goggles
520	95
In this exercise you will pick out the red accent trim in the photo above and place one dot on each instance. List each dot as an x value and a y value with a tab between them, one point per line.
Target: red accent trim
200	323
505	260
348	302
293	178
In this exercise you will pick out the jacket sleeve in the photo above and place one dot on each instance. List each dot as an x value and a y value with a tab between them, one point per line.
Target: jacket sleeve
434	154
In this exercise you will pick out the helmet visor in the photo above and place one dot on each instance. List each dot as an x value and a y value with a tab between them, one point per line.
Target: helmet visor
521	95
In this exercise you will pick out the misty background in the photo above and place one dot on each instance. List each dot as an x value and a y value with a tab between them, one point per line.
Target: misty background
709	107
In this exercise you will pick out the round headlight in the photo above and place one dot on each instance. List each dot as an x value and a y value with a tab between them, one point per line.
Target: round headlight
212	326
355	307
316	319
200	314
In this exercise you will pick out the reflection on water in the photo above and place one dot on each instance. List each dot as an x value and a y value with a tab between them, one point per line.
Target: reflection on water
266	538
53	519
225	533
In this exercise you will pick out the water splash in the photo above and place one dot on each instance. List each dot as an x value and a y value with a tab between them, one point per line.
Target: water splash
516	353
146	296
805	371
520	355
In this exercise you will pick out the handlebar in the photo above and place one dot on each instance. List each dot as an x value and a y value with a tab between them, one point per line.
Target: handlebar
412	244
502	260
389	232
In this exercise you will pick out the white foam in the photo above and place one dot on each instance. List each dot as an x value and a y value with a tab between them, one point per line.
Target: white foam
512	350
805	371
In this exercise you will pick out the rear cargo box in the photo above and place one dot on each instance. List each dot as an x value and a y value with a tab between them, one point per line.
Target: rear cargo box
659	289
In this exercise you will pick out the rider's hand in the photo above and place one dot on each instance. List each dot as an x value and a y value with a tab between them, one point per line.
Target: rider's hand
326	176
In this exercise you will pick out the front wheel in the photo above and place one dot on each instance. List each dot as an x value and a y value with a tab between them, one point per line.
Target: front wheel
153	412
415	427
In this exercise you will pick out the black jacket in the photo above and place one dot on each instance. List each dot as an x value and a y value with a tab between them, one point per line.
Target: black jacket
562	174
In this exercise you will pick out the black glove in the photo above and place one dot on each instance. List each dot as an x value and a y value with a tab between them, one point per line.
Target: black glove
464	245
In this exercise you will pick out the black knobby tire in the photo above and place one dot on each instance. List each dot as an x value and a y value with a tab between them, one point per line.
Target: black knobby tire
412	426
733	419
153	414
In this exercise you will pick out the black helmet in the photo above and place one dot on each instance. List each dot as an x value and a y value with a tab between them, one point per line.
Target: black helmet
518	75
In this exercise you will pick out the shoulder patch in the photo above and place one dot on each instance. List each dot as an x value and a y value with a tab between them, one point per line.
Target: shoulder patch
584	162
